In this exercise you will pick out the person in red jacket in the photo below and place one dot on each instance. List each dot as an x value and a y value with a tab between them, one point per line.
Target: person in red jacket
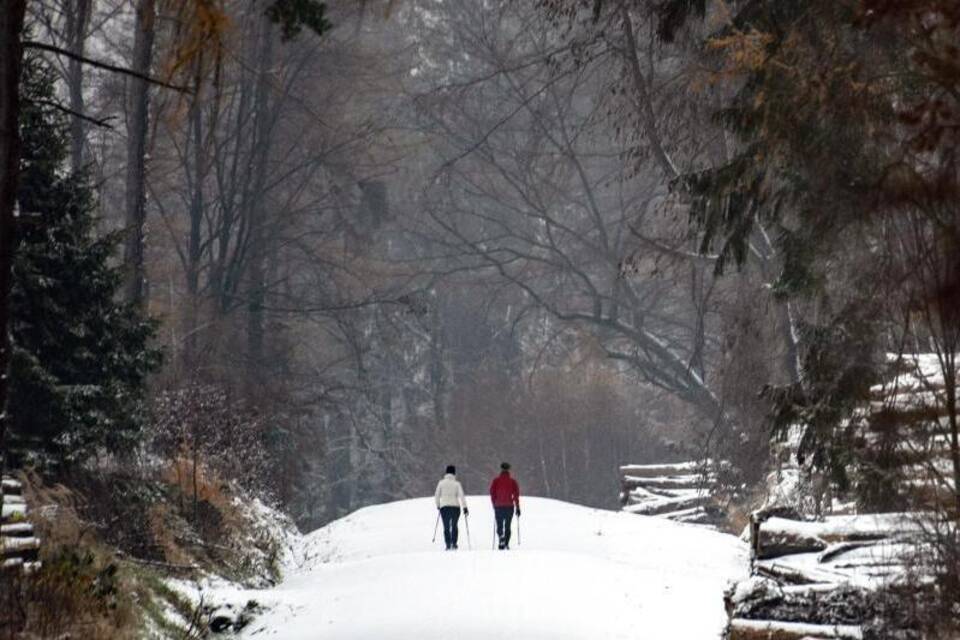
505	495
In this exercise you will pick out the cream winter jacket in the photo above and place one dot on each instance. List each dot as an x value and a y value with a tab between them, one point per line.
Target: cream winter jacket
449	493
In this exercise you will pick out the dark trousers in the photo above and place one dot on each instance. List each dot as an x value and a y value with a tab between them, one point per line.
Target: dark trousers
450	517
504	516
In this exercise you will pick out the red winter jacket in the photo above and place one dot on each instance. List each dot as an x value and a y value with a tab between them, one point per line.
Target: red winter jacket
504	491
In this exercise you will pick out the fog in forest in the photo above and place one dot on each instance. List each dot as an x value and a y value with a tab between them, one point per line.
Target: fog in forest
660	256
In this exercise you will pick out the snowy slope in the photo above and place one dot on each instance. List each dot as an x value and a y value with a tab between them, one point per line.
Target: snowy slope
579	573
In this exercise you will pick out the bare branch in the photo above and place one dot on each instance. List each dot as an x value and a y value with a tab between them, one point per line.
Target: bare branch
41	46
105	122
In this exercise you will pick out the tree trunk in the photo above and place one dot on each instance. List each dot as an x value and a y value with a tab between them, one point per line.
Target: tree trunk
137	124
11	58
950	389
438	381
194	252
78	16
255	206
645	100
196	461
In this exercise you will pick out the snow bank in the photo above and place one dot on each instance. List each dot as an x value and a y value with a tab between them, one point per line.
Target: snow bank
273	547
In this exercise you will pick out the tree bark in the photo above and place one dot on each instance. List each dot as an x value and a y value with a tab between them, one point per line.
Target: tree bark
137	126
11	61
78	16
194	248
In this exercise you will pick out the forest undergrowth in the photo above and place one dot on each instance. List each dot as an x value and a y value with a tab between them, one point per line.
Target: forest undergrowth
112	537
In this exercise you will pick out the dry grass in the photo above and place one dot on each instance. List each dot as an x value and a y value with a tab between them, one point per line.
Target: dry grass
738	519
180	474
77	592
739	508
211	531
165	529
204	501
54	512
109	540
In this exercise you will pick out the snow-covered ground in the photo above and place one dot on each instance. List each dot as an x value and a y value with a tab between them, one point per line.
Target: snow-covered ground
579	573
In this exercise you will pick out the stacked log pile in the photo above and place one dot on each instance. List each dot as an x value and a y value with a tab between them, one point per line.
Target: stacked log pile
680	491
906	436
845	576
819	579
21	548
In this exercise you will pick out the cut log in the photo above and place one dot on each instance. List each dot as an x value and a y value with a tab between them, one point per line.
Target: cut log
793	575
783	540
27	565
18	546
663	496
11	486
761	598
707	515
835	550
664	482
847	528
13	512
696	515
741	629
641	493
679	491
654	470
777	537
17	530
666	505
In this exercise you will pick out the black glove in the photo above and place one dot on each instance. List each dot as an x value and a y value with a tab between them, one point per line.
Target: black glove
439	508
466	511
518	512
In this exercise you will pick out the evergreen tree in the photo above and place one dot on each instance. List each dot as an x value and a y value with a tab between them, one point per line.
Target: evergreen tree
293	15
81	358
845	114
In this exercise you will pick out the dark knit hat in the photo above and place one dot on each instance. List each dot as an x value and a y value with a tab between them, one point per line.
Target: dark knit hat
505	466
451	469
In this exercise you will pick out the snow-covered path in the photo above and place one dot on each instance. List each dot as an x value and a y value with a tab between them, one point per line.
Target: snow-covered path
579	573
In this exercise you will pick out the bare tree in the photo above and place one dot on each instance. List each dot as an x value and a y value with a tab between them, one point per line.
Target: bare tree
539	194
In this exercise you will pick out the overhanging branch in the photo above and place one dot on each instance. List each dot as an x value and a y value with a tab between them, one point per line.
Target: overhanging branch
41	46
105	122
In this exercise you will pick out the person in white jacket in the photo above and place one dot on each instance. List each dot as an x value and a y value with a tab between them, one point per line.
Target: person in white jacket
449	497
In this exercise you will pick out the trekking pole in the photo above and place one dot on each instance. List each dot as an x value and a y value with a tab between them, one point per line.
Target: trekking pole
435	525
466	523
518	531
493	539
